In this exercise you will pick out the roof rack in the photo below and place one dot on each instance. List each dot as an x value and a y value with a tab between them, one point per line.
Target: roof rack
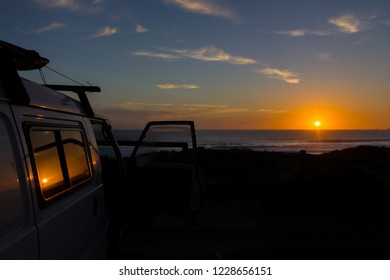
81	91
14	58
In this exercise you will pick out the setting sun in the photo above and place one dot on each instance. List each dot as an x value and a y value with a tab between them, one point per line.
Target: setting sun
317	124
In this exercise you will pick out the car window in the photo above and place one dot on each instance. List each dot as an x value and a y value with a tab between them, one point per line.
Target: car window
76	158
104	140
47	162
60	158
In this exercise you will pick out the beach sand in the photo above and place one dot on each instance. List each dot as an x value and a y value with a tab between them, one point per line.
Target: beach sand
268	205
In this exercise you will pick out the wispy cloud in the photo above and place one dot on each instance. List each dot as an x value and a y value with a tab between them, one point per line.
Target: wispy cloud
139	105
141	29
271	111
76	5
180	109
347	23
51	27
209	53
212	53
211	109
284	75
326	57
69	4
205	106
168	110
303	32
156	55
177	86
205	7
136	114
105	31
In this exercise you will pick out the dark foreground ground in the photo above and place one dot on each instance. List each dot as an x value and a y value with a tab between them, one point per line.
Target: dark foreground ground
264	205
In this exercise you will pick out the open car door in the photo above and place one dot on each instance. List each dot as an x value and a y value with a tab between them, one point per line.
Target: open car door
163	173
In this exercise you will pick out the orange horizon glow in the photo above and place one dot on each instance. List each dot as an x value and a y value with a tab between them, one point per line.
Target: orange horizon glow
324	118
329	117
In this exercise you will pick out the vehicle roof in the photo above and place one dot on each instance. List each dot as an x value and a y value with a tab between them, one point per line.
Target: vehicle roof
44	97
21	91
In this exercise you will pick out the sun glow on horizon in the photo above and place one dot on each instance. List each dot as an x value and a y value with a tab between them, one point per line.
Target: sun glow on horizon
317	124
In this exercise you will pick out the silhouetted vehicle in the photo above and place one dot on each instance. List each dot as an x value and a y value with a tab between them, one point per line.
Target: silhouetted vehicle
66	191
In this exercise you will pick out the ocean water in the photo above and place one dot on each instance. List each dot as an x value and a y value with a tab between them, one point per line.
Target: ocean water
312	141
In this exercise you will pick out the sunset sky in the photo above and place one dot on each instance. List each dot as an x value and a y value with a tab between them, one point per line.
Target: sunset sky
227	64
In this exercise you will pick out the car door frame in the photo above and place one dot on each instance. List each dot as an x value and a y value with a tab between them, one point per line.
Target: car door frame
195	215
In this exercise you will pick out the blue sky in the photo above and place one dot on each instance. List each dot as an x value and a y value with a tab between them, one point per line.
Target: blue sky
250	64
